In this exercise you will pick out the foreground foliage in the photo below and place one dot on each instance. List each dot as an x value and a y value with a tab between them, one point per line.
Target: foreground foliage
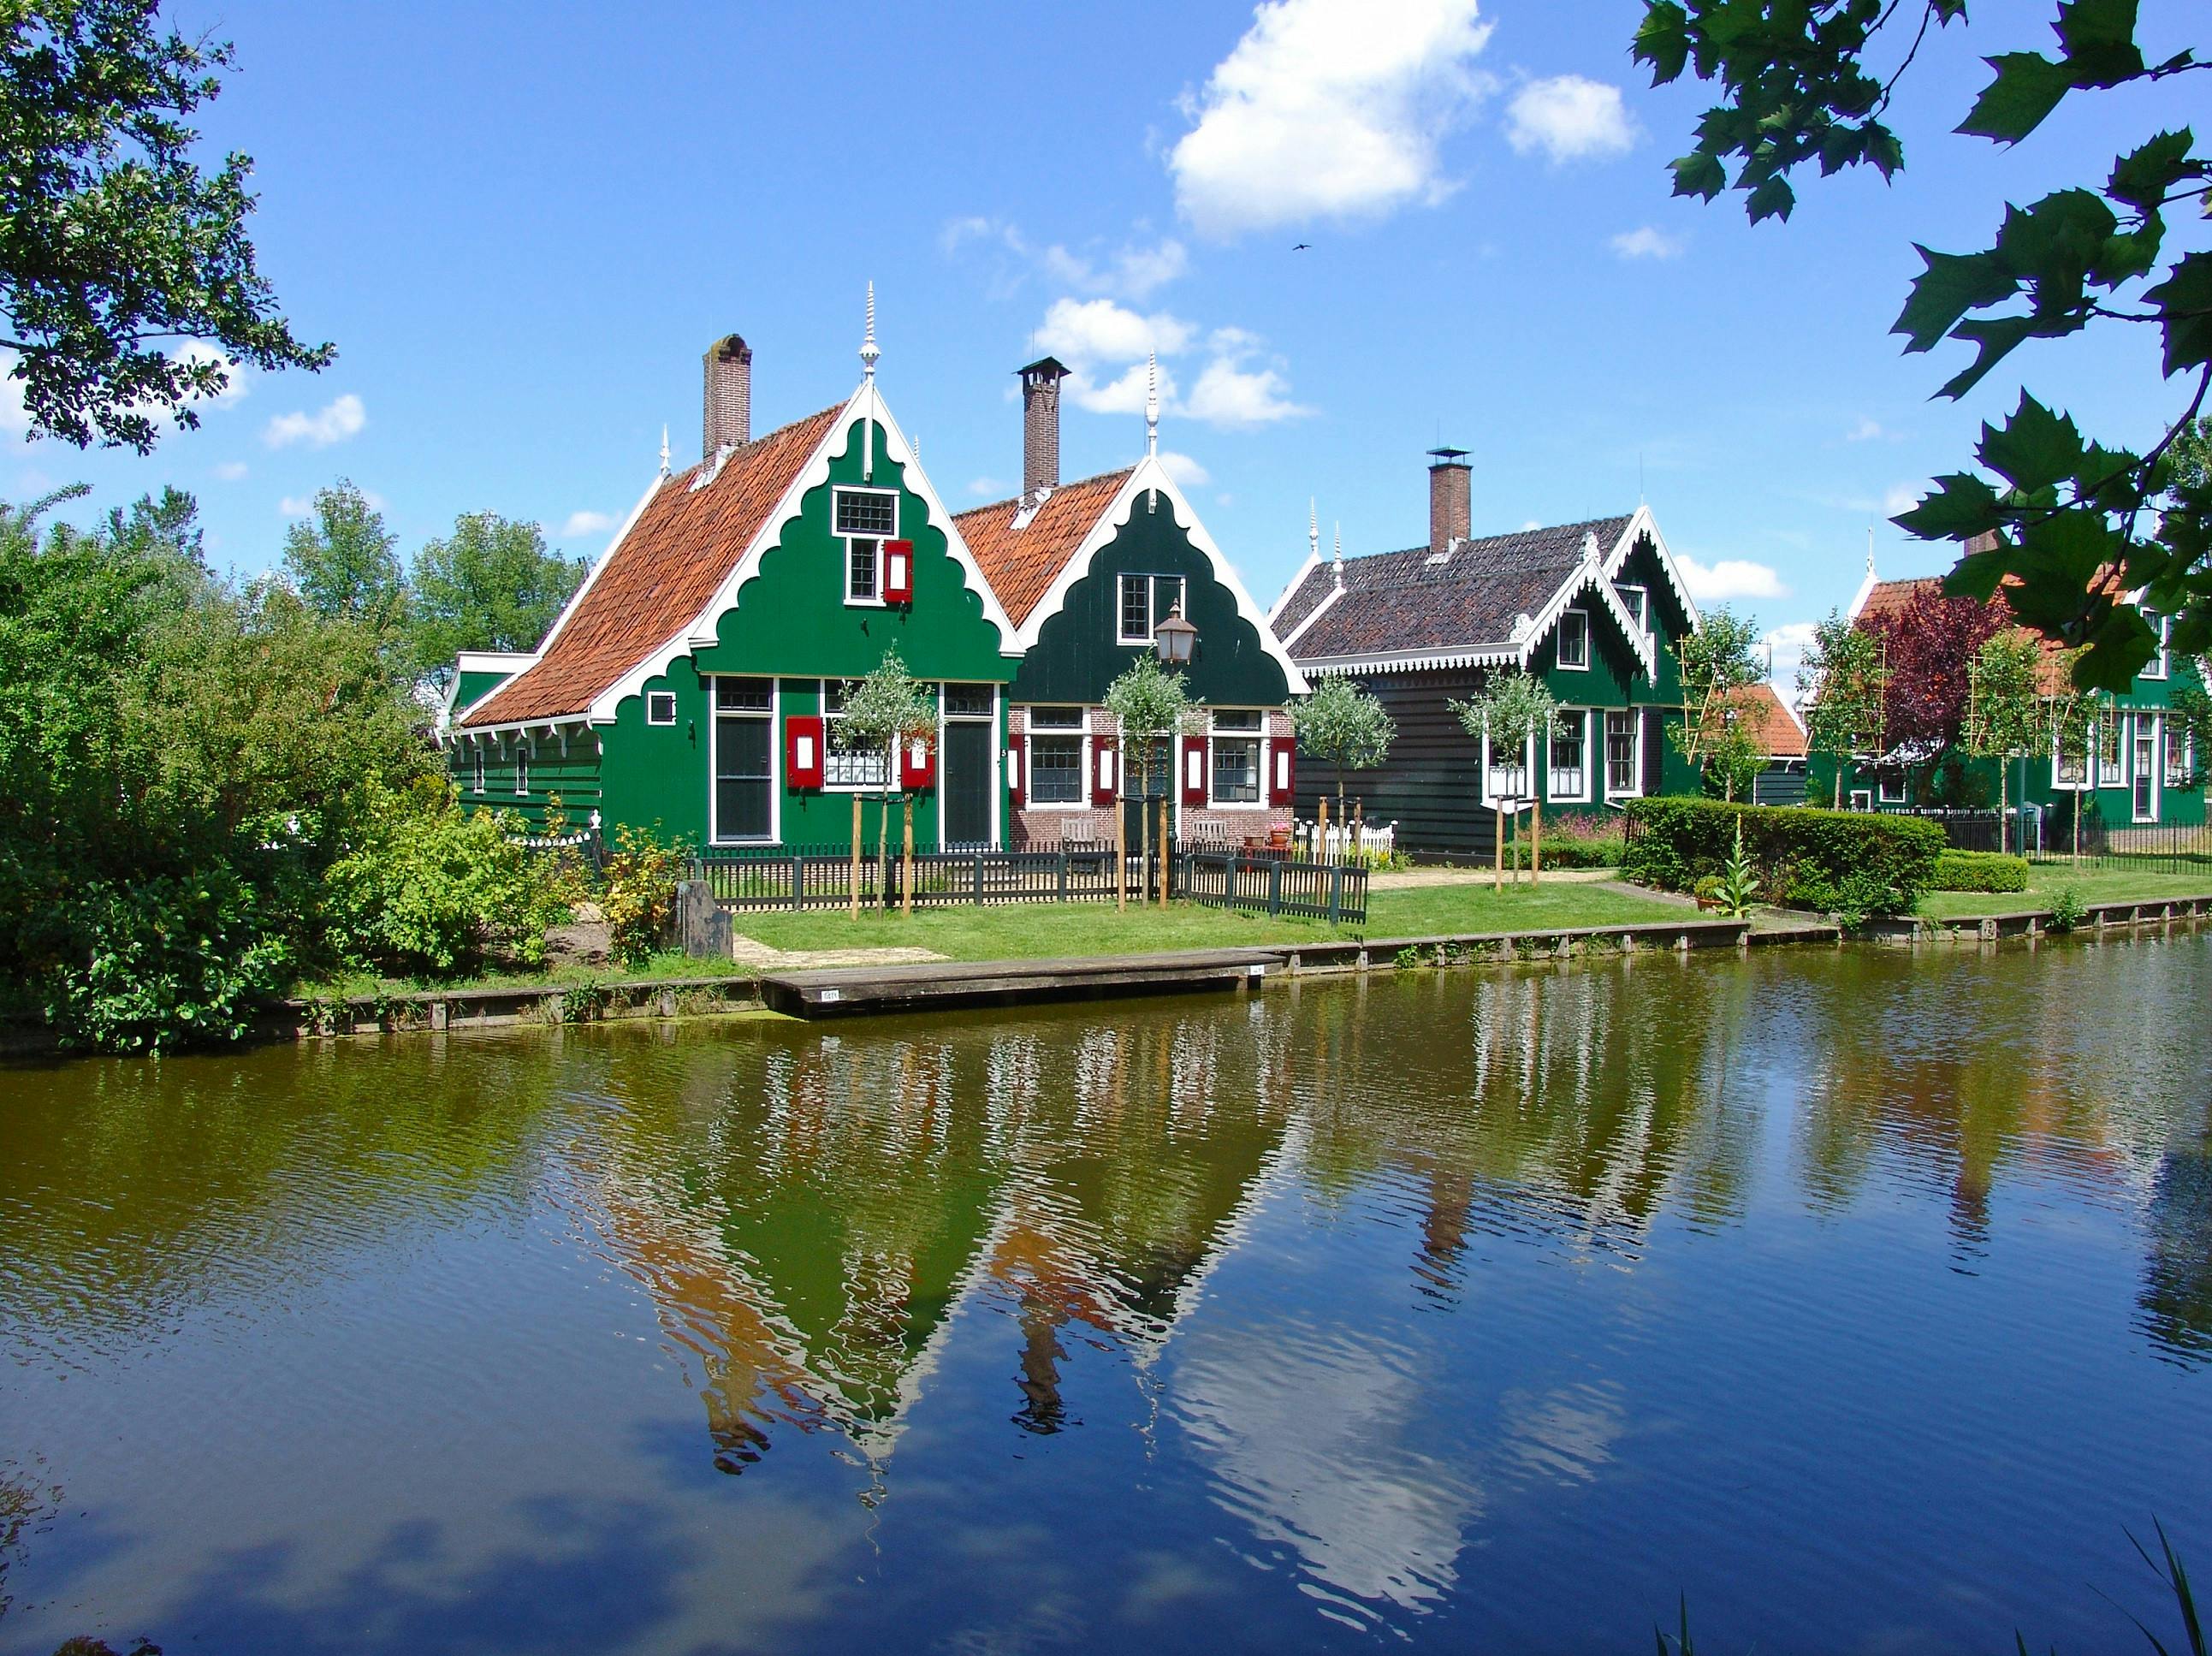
1853	863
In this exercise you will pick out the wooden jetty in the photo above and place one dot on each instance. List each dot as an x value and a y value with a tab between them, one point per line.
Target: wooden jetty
927	985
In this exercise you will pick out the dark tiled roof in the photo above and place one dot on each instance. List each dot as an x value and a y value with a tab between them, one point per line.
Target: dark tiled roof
1400	602
1020	563
683	546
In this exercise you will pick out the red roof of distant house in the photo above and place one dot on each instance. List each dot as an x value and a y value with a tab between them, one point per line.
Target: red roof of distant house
658	577
1886	600
1770	721
1021	563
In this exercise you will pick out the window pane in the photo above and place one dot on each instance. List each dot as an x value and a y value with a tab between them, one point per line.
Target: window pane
873	515
1167	594
1567	744
1136	608
1056	770
1237	771
1055	718
1574	639
1620	752
742	695
861	571
1237	718
969	700
741	778
843	768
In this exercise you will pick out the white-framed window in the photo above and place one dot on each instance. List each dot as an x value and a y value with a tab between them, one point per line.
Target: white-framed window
1506	772
744	758
2069	766
1143	602
2144	746
522	764
848	769
1235	768
1570	775
1623	753
1861	799
2161	664
660	707
1639	605
2180	759
2111	752
865	518
476	769
1055	755
1574	640
1889	784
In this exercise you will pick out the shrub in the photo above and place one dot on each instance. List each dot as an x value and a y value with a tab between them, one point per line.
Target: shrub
426	885
1979	871
641	894
1576	839
1809	858
2068	910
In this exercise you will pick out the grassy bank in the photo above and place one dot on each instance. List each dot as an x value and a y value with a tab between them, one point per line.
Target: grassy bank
2045	881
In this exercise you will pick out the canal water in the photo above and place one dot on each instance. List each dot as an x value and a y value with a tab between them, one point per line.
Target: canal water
1861	1301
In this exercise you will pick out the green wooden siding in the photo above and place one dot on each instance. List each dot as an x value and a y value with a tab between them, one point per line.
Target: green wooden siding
566	773
1078	653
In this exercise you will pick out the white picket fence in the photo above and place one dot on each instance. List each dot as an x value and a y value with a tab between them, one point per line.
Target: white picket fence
1338	840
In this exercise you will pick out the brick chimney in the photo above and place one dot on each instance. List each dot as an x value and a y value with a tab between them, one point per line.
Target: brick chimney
1450	498
728	421
1040	429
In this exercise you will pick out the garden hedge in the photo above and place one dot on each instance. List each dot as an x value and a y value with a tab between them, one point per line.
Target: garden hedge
1851	861
1980	871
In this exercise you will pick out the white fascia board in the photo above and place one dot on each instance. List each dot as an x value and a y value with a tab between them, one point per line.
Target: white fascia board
1588	577
548	724
511	664
1865	591
1319	610
1415	660
1312	563
1644	523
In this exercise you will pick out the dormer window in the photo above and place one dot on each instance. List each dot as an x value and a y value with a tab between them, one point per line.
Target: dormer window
1145	601
1639	605
865	518
1574	640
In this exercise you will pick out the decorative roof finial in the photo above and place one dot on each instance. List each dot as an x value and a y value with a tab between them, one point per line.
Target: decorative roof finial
1151	403
1869	549
1313	528
663	451
869	354
1340	553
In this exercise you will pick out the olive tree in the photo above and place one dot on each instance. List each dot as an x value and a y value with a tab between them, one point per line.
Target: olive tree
887	708
1514	711
1150	705
2005	718
1346	728
1842	685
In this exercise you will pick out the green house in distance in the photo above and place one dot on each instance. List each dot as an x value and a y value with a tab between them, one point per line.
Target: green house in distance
692	685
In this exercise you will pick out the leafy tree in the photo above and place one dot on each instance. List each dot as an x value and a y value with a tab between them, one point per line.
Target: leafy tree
114	247
2005	716
2075	715
492	584
1842	683
1734	757
341	560
888	707
1718	662
1345	728
1149	705
1928	643
2082	524
1514	709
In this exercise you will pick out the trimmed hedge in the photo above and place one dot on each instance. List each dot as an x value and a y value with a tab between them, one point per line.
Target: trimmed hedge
1849	862
1569	853
1980	871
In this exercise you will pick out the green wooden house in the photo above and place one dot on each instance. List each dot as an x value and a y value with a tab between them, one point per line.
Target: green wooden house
1597	609
1090	573
692	685
2140	770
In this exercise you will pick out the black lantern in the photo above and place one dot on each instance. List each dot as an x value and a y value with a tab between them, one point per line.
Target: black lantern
1175	638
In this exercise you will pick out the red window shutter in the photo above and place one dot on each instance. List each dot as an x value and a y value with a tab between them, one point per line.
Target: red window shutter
1194	758
1283	783
1014	771
898	572
802	750
917	763
1104	774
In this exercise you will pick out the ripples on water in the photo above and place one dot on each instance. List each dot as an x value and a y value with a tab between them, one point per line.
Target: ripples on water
1856	1293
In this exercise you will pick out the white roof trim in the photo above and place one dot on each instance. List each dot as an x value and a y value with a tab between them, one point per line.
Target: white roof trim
1312	563
865	403
1417	661
1146	476
1588	575
1318	611
1643	521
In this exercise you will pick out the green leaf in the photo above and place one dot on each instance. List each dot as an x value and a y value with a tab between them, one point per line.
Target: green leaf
1979	575
1773	198
2100	40
1997	336
2185	302
2036	450
1700	174
1662	40
2028	87
1962	507
2143	176
1952	285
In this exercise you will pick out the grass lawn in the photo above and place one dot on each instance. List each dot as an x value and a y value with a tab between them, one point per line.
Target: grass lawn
2045	881
1036	931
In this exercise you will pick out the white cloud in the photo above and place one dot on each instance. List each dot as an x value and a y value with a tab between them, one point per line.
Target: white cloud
584	523
1568	119
1328	109
335	423
230	470
985	488
1105	347
1229	395
1867	432
1122	394
1731	577
1903	498
1131	271
1645	242
1087	331
1787	645
1187	472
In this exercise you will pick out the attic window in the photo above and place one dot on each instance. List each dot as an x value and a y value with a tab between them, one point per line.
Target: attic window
660	707
1639	605
866	518
1574	639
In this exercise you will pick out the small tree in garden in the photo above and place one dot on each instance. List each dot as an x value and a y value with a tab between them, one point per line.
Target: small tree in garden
1151	705
1929	642
1841	684
1345	728
1718	662
2074	715
886	708
2004	715
1514	709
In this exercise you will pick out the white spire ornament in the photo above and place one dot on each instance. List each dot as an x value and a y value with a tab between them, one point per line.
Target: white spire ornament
1339	553
869	354
1151	403
663	451
1313	528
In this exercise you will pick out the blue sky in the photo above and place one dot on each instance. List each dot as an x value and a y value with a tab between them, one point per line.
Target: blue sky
522	227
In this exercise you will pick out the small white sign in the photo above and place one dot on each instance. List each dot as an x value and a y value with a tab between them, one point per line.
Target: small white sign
829	996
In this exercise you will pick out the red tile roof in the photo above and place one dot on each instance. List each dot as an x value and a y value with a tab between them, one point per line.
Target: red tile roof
682	548
1760	711
1020	563
1888	599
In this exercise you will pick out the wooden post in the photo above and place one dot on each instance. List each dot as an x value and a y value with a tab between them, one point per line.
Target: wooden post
1358	826
906	858
856	857
1498	851
1535	842
1164	850
1122	839
1145	842
1321	829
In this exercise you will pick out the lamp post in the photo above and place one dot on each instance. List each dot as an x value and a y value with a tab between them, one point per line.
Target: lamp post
1175	638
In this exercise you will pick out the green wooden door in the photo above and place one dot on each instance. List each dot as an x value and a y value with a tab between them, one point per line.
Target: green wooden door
964	781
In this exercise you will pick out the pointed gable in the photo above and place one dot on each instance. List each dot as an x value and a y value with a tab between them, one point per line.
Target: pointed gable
1020	560
659	577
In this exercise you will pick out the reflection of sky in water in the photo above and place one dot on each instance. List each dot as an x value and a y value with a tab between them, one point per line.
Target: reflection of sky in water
1488	1309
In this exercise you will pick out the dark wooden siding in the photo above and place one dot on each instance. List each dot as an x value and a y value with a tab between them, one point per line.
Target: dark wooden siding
1431	787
